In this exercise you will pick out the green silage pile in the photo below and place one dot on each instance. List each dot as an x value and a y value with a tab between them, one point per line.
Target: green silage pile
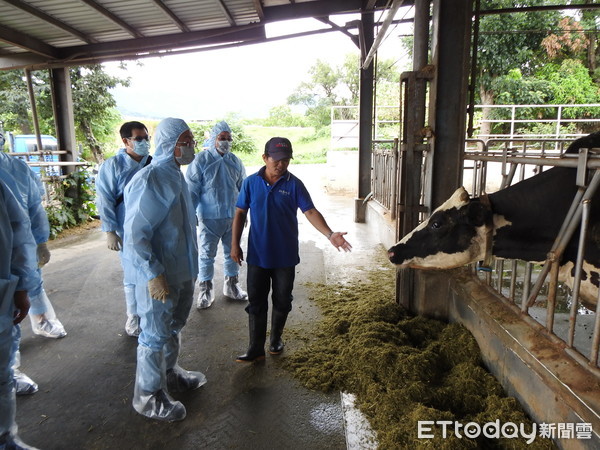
401	368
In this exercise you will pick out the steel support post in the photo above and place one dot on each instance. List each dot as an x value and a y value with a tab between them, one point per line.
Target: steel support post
365	127
62	105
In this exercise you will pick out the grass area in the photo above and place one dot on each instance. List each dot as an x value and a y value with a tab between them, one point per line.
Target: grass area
305	151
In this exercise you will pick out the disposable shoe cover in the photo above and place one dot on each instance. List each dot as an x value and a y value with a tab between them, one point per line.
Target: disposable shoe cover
232	289
206	295
160	406
50	328
23	384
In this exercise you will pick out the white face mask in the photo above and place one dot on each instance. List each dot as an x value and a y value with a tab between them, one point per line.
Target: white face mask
141	148
187	155
224	146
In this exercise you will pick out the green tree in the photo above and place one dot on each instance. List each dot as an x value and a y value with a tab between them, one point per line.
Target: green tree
283	116
95	115
507	42
95	111
330	86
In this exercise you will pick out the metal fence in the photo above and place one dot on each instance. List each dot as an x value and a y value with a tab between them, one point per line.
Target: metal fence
384	174
532	288
551	121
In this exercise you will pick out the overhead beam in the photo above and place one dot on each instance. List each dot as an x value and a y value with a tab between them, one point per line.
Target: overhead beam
524	9
163	43
342	30
311	9
49	19
114	18
226	13
27	42
28	60
182	26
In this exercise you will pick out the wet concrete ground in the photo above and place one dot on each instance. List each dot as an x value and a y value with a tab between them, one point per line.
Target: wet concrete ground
86	379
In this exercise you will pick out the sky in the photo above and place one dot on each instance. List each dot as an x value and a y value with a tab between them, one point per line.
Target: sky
247	80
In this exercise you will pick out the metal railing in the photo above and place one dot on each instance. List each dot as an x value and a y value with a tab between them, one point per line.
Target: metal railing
555	116
44	160
547	304
384	174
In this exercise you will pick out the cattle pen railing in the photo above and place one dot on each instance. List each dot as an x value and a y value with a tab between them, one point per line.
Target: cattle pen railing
524	286
384	174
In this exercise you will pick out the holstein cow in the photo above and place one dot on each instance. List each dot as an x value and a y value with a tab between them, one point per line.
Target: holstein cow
519	222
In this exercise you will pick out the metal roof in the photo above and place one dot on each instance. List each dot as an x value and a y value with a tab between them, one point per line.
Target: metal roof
55	33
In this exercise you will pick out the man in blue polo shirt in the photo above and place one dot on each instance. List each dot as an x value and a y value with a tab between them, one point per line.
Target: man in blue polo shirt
273	196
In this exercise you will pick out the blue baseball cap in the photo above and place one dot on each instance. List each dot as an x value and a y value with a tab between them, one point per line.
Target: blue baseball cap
279	148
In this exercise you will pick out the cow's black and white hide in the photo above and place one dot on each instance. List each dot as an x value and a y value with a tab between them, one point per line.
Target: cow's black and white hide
526	219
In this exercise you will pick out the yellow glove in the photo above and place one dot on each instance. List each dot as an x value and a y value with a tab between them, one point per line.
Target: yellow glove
113	241
158	288
43	254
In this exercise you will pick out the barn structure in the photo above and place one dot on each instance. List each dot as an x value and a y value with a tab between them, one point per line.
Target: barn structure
553	380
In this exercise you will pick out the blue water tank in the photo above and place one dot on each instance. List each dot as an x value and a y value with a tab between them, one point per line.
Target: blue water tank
22	143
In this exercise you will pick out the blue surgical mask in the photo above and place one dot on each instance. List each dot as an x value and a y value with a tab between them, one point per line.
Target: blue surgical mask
141	148
187	155
224	146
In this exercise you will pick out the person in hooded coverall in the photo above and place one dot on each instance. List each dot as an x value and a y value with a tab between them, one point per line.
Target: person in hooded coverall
43	318
160	245
113	176
215	178
28	190
18	274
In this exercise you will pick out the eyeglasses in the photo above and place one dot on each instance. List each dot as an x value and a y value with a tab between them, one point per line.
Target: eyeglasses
192	143
139	138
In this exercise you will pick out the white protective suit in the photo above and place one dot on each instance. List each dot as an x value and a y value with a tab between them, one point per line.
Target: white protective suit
17	272
113	176
160	239
215	180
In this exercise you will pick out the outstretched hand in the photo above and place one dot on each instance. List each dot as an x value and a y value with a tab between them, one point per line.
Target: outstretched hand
338	241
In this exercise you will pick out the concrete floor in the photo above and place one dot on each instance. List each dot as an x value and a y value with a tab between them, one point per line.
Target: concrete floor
86	379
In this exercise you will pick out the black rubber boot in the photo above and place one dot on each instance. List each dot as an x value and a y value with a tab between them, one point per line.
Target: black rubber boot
277	324
257	325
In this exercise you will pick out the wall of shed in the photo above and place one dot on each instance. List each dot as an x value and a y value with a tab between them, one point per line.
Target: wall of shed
550	385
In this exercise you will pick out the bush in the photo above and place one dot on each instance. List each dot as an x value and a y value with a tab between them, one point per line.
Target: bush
72	202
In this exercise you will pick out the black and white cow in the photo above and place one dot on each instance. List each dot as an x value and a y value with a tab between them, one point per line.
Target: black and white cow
522	222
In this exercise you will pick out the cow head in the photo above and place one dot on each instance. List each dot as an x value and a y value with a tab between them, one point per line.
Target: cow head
454	235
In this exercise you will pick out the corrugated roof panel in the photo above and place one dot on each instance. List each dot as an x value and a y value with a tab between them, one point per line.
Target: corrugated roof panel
75	14
200	15
243	11
137	13
35	27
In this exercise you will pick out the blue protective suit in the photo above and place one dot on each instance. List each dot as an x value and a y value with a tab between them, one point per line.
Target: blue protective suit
29	195
17	272
215	181
114	174
160	238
